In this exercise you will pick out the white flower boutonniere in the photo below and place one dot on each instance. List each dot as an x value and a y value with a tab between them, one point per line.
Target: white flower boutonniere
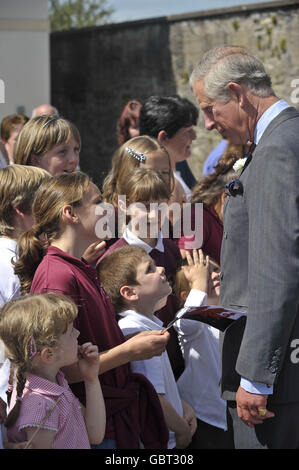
239	164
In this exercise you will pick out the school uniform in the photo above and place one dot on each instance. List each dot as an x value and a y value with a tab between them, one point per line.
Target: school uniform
66	419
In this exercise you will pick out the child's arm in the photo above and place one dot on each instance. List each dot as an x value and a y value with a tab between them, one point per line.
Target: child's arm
95	411
189	416
141	346
43	439
176	423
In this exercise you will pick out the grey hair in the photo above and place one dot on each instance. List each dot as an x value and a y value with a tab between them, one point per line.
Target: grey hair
225	64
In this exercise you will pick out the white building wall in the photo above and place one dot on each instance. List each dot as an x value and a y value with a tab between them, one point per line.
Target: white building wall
24	56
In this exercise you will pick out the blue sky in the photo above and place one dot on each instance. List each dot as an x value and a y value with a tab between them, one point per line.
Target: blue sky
127	10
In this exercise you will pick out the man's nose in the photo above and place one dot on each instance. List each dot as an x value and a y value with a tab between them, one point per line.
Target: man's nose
209	123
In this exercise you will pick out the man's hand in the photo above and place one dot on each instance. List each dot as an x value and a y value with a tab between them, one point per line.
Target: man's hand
251	407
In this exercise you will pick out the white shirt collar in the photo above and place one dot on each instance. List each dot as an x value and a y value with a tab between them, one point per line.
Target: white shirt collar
131	239
267	117
139	319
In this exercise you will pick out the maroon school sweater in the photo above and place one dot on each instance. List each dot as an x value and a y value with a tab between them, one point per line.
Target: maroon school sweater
212	233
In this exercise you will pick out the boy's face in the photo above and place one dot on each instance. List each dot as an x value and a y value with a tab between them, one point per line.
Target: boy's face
152	283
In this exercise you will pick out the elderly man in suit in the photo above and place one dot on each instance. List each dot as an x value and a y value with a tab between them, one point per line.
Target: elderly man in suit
260	248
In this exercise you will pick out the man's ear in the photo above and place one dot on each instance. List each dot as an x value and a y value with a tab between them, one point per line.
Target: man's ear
162	137
128	293
237	91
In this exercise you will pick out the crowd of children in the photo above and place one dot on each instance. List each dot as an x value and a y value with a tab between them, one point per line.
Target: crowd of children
86	357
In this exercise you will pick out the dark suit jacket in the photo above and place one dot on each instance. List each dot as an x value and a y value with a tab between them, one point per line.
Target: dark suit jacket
260	266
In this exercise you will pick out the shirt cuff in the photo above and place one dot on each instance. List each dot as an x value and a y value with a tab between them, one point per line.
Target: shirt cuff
256	387
196	298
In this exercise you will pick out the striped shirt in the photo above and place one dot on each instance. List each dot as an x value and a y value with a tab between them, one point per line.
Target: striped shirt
39	396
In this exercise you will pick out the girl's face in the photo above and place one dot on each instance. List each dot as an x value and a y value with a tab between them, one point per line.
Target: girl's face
62	158
158	161
89	214
145	218
67	351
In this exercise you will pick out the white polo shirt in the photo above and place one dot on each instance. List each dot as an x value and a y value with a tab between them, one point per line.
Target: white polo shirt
157	369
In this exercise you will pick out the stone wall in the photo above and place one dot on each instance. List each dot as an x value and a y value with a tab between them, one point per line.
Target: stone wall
95	71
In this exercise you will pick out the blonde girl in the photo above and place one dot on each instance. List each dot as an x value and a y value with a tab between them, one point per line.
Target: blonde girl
40	339
50	260
49	142
53	143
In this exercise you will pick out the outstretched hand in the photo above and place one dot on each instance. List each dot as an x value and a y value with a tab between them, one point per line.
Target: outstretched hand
197	271
147	344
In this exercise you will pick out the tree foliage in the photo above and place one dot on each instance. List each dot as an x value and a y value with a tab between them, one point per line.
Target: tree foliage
66	14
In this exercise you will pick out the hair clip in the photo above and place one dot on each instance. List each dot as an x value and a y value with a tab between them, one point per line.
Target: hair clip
48	122
19	398
136	154
32	347
233	188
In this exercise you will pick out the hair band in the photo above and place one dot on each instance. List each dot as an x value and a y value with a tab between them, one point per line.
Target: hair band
136	154
48	122
32	348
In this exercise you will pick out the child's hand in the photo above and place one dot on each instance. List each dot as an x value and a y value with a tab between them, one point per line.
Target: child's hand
147	344
197	272
94	251
89	363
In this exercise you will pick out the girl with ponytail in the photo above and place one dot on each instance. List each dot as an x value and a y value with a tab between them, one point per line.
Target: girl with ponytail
66	214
